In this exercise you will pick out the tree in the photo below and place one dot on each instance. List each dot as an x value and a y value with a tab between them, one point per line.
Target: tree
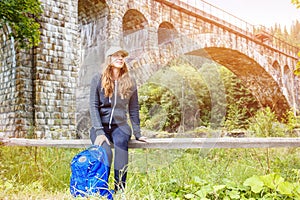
296	2
22	17
297	70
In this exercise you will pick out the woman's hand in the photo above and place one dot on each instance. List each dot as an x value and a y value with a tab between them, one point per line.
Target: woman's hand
142	139
100	139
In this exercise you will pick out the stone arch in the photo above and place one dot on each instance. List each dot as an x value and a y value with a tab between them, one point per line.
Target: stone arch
92	15
247	63
252	74
277	71
133	20
166	32
92	23
276	65
135	31
286	74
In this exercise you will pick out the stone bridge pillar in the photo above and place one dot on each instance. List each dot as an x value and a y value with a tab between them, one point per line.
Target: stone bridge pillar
115	26
16	106
37	86
56	67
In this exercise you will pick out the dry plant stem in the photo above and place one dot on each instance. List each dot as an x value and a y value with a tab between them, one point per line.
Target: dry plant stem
256	157
268	160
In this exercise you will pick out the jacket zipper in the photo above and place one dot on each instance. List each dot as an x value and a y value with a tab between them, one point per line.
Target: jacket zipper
114	106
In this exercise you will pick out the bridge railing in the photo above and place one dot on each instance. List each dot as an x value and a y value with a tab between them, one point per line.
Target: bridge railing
222	17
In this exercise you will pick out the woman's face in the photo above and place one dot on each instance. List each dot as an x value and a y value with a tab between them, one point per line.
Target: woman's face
118	59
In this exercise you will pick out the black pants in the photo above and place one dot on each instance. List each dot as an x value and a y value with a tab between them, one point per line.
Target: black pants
119	136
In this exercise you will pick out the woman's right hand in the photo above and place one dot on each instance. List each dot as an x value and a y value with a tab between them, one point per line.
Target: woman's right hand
100	139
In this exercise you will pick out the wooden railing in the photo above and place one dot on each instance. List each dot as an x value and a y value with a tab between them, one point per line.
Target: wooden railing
166	143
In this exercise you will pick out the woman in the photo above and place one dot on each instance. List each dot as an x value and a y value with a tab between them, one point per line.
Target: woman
113	94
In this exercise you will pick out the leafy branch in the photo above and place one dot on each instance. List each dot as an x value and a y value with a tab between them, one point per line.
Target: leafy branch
22	17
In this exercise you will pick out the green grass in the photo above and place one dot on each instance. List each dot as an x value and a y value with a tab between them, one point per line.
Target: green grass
180	176
43	173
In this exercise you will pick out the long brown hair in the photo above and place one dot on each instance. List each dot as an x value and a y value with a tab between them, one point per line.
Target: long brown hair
125	81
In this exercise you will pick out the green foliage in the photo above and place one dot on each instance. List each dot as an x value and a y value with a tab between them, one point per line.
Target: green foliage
235	117
219	174
296	2
241	104
292	122
159	108
272	185
297	70
212	77
265	124
43	173
22	16
33	169
182	97
173	97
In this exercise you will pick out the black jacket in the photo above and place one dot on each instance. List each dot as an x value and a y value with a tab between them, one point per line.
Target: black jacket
113	111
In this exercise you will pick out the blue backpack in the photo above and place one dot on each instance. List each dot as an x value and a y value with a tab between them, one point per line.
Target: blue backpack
89	173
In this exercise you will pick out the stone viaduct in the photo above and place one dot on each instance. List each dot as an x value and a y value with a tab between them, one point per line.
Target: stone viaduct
45	90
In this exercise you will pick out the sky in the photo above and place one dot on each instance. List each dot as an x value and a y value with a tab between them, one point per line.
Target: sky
261	12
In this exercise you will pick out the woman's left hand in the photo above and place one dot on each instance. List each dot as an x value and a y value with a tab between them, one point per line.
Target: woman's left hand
143	139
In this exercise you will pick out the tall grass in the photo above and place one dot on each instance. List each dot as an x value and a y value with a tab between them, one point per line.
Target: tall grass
43	173
36	171
219	166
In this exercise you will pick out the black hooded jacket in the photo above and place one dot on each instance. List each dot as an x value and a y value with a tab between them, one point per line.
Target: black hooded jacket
113	111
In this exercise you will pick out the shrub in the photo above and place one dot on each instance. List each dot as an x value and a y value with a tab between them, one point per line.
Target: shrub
265	124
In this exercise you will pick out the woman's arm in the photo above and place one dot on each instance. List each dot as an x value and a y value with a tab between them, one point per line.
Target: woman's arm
95	105
133	108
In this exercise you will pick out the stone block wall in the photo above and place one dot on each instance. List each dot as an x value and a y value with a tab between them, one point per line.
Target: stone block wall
56	70
15	88
7	82
24	96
